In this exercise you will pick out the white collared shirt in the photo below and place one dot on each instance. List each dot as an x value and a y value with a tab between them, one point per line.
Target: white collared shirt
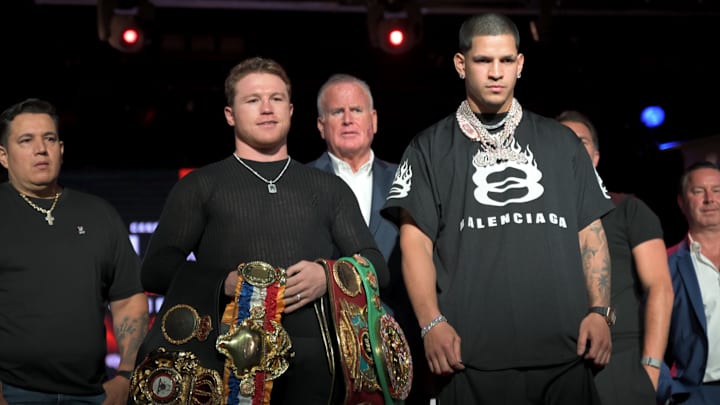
361	182
709	280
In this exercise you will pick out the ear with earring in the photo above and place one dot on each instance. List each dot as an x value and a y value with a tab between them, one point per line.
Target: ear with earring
462	76
519	75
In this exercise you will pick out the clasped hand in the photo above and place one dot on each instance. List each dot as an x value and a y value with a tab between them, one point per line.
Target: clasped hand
306	282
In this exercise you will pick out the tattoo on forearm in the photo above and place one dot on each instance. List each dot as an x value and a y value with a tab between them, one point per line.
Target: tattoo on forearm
130	333
596	263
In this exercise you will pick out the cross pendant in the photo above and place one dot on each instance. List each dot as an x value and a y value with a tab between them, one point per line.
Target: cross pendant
272	189
49	218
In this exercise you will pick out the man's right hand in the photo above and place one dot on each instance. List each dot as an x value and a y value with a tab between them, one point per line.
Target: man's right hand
653	374
2	398
231	283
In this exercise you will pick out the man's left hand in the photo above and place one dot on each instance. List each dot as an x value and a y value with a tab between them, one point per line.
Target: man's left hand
306	282
116	391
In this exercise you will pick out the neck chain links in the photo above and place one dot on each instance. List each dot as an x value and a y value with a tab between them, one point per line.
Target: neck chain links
497	147
272	188
497	125
48	213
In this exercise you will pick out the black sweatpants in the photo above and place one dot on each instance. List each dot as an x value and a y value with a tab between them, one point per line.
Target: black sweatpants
565	384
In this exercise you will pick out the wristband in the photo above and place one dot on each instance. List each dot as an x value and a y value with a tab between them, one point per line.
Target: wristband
425	329
651	361
124	374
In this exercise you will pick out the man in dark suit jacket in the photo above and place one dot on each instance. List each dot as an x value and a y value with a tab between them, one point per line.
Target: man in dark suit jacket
383	172
694	340
347	121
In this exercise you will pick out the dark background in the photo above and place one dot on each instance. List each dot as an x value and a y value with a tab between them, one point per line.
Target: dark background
161	108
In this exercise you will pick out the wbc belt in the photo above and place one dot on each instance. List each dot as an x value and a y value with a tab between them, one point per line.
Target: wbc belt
349	309
393	359
257	347
370	340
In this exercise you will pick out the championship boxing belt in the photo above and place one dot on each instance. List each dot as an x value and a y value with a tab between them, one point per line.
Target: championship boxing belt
257	347
174	378
348	304
357	312
393	360
182	322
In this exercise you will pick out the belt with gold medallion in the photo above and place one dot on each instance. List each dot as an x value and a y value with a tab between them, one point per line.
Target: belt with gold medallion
257	347
370	340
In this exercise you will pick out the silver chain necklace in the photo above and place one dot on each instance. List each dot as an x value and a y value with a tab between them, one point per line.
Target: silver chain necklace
497	125
48	213
272	188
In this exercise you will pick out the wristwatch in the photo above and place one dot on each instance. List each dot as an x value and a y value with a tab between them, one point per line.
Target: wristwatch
607	312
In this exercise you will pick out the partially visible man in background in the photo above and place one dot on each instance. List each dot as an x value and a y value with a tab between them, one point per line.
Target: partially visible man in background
641	289
347	121
694	340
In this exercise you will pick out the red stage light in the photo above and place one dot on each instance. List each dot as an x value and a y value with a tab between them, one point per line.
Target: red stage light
126	33
130	36
396	37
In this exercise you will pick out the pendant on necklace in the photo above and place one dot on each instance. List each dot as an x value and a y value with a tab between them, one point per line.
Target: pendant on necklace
49	218
272	189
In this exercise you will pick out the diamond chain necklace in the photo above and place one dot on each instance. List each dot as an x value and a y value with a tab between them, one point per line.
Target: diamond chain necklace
48	213
494	148
272	188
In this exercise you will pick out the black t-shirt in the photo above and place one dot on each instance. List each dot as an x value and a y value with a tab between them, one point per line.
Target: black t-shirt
55	284
506	249
631	223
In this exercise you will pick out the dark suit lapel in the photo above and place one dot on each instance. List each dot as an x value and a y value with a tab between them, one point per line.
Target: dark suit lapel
382	180
690	281
324	163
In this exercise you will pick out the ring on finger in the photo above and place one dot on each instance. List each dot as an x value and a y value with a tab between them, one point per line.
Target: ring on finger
299	297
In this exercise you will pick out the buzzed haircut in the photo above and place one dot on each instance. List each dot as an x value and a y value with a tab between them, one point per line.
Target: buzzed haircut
486	24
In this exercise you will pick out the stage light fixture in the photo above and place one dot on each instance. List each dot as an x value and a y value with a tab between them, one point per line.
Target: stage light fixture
394	27
122	23
126	34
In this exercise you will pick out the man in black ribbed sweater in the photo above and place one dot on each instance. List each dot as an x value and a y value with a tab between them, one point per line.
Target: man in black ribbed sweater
258	205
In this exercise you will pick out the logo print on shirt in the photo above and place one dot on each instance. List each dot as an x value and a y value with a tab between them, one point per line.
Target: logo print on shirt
602	185
512	181
81	230
402	181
